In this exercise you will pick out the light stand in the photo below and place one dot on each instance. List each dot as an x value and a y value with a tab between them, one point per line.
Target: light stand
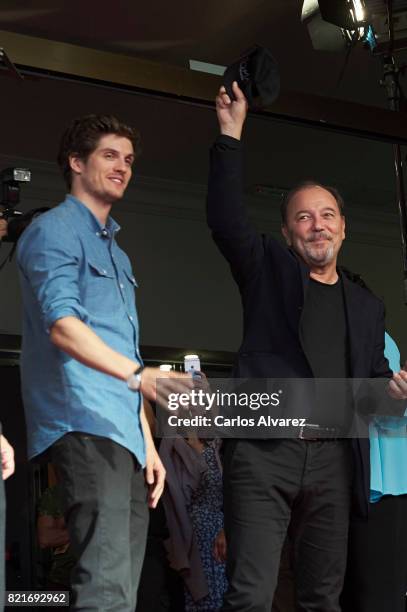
391	85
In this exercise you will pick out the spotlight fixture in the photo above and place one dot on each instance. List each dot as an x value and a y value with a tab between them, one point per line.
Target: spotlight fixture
347	14
335	24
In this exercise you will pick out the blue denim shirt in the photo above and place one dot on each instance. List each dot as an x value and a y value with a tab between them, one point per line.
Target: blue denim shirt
71	266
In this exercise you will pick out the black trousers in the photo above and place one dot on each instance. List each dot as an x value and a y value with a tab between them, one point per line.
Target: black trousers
2	541
376	576
104	499
284	595
267	484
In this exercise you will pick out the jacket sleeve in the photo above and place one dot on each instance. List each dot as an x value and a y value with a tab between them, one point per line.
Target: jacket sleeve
234	234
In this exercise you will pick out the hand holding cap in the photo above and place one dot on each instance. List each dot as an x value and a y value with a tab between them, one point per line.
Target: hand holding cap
257	75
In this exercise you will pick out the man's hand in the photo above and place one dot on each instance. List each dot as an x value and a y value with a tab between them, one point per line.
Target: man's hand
170	382
219	547
397	388
3	228
154	470
231	114
155	474
7	458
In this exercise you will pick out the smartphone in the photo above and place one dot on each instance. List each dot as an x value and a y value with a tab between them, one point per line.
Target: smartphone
192	364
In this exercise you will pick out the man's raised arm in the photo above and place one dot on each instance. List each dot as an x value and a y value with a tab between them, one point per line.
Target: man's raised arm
232	231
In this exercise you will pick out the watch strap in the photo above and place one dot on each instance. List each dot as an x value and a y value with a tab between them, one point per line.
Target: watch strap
134	380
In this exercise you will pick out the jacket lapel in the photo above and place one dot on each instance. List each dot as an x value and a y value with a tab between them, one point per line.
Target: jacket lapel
294	292
355	316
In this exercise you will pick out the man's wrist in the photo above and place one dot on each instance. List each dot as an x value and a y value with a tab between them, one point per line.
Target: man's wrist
232	132
228	143
134	380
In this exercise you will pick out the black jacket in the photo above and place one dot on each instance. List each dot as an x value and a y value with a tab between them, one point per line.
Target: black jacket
273	281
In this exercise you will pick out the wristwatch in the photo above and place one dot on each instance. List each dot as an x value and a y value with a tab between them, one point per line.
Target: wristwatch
134	380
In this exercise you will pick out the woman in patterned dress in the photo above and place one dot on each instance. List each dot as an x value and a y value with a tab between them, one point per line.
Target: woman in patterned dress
206	514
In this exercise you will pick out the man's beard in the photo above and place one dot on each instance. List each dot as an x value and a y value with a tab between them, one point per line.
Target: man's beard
101	192
317	256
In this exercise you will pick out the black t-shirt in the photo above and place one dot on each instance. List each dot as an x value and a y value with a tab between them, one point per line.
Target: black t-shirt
324	337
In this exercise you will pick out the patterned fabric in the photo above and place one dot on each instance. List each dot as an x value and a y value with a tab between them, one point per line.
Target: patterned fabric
206	515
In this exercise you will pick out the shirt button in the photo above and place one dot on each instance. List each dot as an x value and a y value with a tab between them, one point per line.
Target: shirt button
97	233
121	286
104	271
131	318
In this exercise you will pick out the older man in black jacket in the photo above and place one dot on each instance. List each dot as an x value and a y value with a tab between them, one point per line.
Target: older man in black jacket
302	319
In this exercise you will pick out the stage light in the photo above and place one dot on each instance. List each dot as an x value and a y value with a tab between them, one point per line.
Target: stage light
333	25
336	24
346	14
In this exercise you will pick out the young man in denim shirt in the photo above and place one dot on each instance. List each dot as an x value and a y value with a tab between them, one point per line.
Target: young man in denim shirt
80	348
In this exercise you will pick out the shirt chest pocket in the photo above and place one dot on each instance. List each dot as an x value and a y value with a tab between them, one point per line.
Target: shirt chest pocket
100	290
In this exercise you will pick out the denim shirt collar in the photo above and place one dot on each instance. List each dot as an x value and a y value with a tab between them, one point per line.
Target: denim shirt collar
111	227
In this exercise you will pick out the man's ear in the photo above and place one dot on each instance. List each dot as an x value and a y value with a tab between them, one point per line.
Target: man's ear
343	229
286	234
76	163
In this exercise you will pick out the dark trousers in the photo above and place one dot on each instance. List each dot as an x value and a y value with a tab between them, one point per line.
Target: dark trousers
104	499
2	537
376	576
284	595
273	483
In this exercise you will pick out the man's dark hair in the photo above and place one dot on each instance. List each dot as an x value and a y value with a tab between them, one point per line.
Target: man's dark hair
305	185
82	136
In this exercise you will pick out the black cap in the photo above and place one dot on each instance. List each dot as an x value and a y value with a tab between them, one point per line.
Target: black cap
257	75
